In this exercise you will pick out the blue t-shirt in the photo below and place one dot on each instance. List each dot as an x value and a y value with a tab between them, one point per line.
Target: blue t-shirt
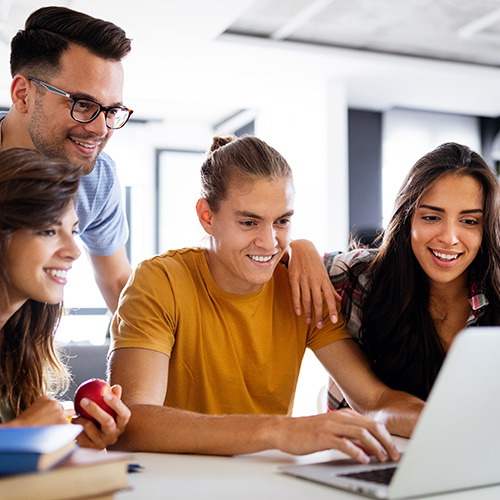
99	207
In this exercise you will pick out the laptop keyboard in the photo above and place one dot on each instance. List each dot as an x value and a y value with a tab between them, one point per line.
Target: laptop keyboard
381	476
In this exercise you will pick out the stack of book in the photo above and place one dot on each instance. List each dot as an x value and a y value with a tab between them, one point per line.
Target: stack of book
45	463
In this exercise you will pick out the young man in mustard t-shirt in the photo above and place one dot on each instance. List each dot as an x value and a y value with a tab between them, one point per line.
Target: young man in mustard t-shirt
206	343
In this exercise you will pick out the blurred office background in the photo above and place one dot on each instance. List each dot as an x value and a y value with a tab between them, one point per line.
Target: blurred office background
351	92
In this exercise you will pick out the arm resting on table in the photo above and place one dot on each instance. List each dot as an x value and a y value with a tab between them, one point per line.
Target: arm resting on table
143	374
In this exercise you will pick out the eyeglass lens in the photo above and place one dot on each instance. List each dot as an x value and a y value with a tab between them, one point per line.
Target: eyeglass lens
86	111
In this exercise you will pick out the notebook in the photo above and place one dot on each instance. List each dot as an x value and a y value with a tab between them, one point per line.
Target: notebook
30	449
455	444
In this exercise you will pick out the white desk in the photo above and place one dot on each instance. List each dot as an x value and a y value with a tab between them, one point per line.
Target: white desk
244	477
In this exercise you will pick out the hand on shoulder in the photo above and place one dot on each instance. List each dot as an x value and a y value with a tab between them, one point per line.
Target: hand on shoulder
310	283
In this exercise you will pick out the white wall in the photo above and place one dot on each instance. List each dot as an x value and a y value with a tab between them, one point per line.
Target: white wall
408	135
306	122
133	149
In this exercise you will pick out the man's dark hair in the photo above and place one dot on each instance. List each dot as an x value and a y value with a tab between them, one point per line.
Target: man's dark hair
49	31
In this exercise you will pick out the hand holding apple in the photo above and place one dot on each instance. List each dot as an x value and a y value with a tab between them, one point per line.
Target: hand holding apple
103	421
94	389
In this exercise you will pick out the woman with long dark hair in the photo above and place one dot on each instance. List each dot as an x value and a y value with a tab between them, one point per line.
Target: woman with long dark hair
37	249
436	272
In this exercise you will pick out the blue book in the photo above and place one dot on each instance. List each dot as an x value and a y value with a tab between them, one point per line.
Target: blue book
32	449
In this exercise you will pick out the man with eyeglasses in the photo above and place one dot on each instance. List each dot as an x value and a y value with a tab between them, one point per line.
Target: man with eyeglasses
67	102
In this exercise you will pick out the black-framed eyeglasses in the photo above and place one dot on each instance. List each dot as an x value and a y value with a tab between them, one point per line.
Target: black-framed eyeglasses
87	110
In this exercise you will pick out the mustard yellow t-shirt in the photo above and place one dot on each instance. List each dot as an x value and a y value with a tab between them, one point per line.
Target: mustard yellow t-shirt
229	353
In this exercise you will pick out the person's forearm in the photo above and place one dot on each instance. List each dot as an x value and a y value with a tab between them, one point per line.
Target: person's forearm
110	291
399	411
365	393
111	273
163	429
401	418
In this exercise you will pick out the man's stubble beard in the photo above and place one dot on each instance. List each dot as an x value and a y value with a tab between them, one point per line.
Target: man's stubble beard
54	149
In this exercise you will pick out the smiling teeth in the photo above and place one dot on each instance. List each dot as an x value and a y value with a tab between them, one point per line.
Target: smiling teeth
88	146
260	258
444	256
58	273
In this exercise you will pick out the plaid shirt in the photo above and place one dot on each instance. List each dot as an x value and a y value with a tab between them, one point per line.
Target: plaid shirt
353	296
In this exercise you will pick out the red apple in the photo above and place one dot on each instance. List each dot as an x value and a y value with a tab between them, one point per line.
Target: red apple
94	389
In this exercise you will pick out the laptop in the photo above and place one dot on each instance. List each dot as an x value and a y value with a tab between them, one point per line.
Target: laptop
456	442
